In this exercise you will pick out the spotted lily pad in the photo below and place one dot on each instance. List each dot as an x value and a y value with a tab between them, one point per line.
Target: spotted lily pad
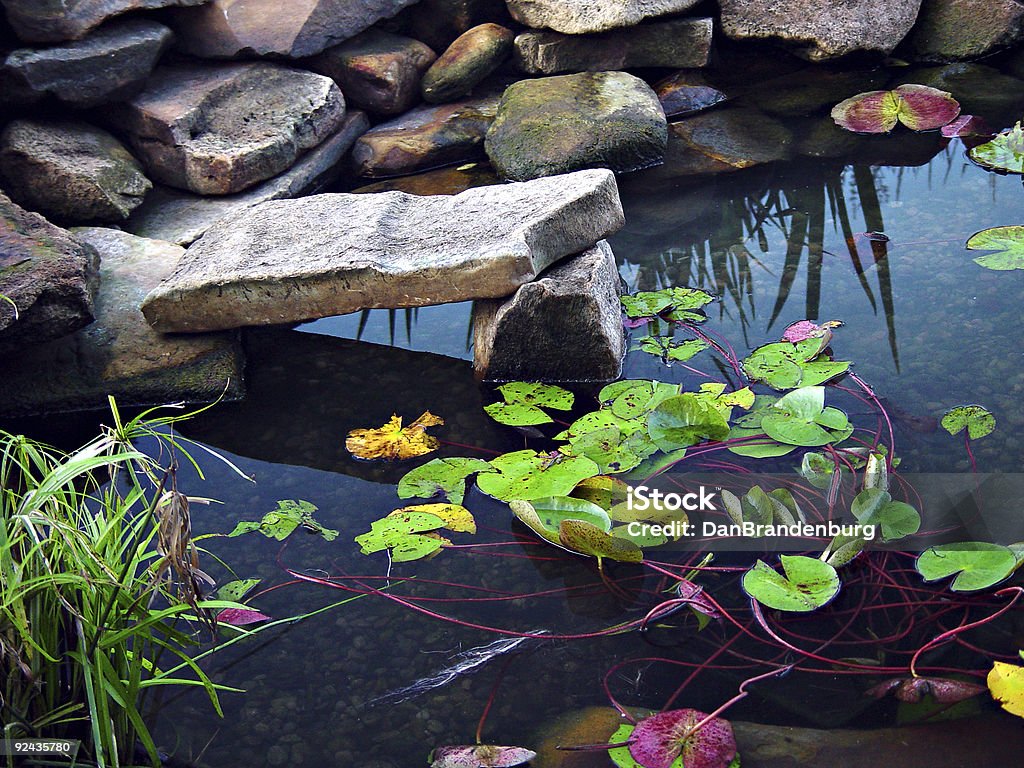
801	418
1008	244
545	516
1006	684
236	590
660	740
714	394
976	419
587	539
531	475
447	476
894	519
786	365
479	756
523	402
680	304
283	521
630	398
672	351
806	585
918	107
393	441
400	533
683	420
977	564
611	449
1005	152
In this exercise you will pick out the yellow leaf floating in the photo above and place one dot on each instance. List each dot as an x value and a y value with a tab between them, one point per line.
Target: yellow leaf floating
456	517
393	441
1006	684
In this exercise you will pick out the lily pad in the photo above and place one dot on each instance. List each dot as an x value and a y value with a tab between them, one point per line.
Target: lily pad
680	304
612	451
800	418
1006	683
545	516
684	420
714	394
659	740
786	365
400	532
447	476
1005	152
630	398
241	617
914	689
531	475
393	441
523	402
977	564
235	591
918	107
283	521
817	469
894	519
1008	244
587	539
672	351
976	419
479	756
604	491
807	585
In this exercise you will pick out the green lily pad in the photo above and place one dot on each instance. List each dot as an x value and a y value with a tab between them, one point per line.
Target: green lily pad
1007	242
587	539
800	418
786	365
531	475
683	420
235	591
682	304
400	533
622	757
283	521
894	519
603	490
755	507
612	451
631	398
642	539
714	394
1005	152
977	564
977	419
523	402
842	549
545	516
671	351
807	585
447	476
918	107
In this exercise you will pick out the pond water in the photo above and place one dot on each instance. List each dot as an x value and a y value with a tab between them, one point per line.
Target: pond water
926	327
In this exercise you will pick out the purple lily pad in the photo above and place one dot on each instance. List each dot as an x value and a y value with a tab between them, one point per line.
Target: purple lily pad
239	617
914	689
637	322
480	756
918	107
687	590
967	125
659	739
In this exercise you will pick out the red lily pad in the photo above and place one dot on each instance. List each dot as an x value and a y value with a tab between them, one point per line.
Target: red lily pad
659	739
914	689
239	617
480	756
805	329
918	107
967	125
694	594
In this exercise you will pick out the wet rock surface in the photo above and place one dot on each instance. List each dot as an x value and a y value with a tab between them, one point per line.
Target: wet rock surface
219	129
821	29
951	30
230	28
442	181
426	137
687	92
560	124
675	44
108	65
119	354
438	22
472	57
49	22
376	70
182	217
70	171
292	260
564	326
46	274
576	17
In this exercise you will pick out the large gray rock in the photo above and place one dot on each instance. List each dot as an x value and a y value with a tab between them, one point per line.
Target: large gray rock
560	124
70	171
291	260
120	354
50	21
221	129
47	277
182	218
577	17
952	30
564	326
110	64
677	44
473	56
294	28
377	70
426	137
822	29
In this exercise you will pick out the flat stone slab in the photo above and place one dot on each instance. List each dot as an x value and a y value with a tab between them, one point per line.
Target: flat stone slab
293	28
287	261
220	129
70	171
182	217
564	326
680	43
46	274
47	21
578	17
119	354
110	64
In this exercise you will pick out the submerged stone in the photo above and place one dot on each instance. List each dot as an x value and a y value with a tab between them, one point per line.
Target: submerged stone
818	29
230	28
110	64
43	21
70	171
426	137
220	129
49	276
950	30
377	70
292	260
560	124
182	217
677	43
119	354
472	57
576	17
564	326
687	92
729	139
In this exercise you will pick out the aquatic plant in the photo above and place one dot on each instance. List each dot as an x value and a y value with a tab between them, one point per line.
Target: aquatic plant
918	107
393	441
1007	244
1005	152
